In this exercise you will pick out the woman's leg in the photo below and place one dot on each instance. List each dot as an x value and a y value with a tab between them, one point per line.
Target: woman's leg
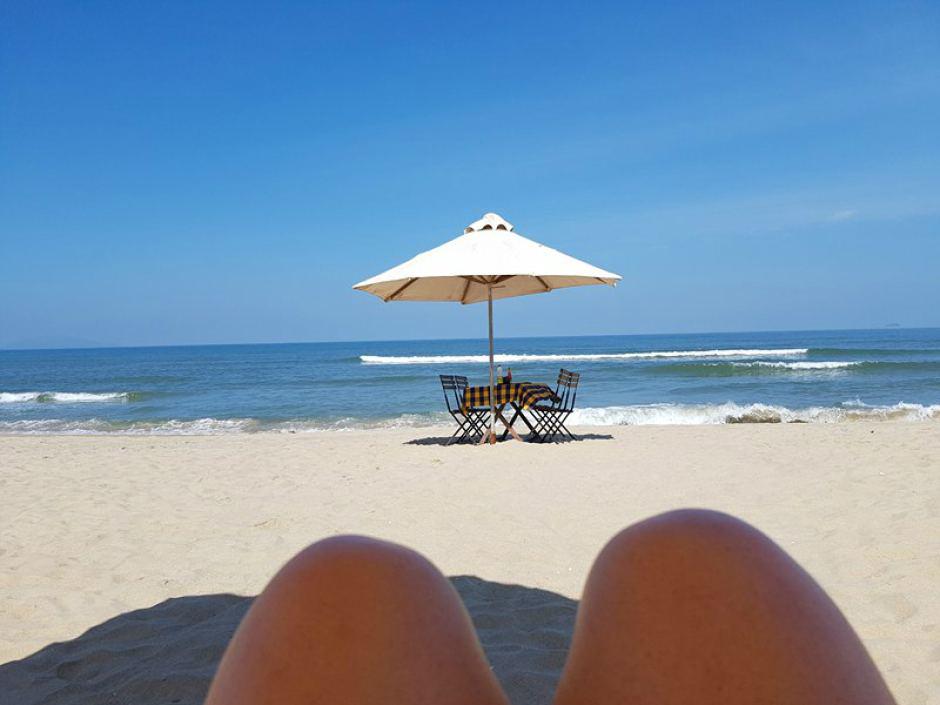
354	620
698	607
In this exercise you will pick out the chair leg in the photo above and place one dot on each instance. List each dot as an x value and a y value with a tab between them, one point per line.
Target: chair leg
474	426
560	428
468	430
540	423
478	420
548	429
453	436
564	429
531	426
551	427
465	427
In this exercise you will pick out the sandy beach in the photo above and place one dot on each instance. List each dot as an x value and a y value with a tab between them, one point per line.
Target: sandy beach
126	562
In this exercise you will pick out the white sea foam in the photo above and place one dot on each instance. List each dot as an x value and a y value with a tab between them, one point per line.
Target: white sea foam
803	365
172	427
639	415
61	397
652	355
359	424
18	397
706	414
212	426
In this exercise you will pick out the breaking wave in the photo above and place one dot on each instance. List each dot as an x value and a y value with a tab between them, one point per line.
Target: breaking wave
823	365
212	426
730	368
753	368
652	355
636	415
729	413
64	397
172	427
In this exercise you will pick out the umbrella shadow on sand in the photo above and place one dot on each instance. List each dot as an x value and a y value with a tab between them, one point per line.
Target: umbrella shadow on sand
168	653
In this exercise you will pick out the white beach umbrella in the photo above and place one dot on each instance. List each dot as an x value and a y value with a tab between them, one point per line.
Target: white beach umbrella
489	261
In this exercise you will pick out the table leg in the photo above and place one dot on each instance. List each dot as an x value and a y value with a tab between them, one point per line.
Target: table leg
507	424
514	432
524	419
502	419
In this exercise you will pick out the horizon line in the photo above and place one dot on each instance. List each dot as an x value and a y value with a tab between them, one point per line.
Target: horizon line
433	340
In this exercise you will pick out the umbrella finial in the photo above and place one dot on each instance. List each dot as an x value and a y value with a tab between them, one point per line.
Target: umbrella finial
490	221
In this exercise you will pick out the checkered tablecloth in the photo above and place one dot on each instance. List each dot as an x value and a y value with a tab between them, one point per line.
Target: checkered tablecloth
525	394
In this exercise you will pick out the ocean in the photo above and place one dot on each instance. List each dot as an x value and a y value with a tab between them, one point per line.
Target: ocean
799	376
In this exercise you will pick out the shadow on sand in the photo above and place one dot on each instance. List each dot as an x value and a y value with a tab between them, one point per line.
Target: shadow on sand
168	653
442	440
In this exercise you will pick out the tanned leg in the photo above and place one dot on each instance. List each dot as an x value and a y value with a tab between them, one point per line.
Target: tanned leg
698	607
356	621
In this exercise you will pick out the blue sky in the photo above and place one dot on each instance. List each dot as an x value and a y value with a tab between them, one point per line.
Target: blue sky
224	172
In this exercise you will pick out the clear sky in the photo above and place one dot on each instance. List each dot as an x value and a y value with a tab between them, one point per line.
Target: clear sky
224	172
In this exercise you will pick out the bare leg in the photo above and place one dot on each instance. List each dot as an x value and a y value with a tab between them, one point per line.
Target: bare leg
353	620
698	607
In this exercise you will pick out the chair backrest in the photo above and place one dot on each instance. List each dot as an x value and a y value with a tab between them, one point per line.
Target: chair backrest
454	387
567	388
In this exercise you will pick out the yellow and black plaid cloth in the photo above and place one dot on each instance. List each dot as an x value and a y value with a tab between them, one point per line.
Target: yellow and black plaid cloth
525	394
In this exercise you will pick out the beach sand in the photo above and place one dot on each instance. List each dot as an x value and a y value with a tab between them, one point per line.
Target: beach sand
140	554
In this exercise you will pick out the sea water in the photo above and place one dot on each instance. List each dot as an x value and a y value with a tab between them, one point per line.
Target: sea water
811	376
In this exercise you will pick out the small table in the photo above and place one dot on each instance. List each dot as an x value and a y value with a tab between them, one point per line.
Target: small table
518	395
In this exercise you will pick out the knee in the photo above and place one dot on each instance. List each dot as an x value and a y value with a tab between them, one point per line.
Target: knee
346	565
702	527
688	545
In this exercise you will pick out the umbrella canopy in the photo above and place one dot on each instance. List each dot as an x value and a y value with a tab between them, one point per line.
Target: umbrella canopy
488	253
489	261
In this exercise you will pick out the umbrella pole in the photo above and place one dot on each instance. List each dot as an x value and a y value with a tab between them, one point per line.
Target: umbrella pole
489	306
